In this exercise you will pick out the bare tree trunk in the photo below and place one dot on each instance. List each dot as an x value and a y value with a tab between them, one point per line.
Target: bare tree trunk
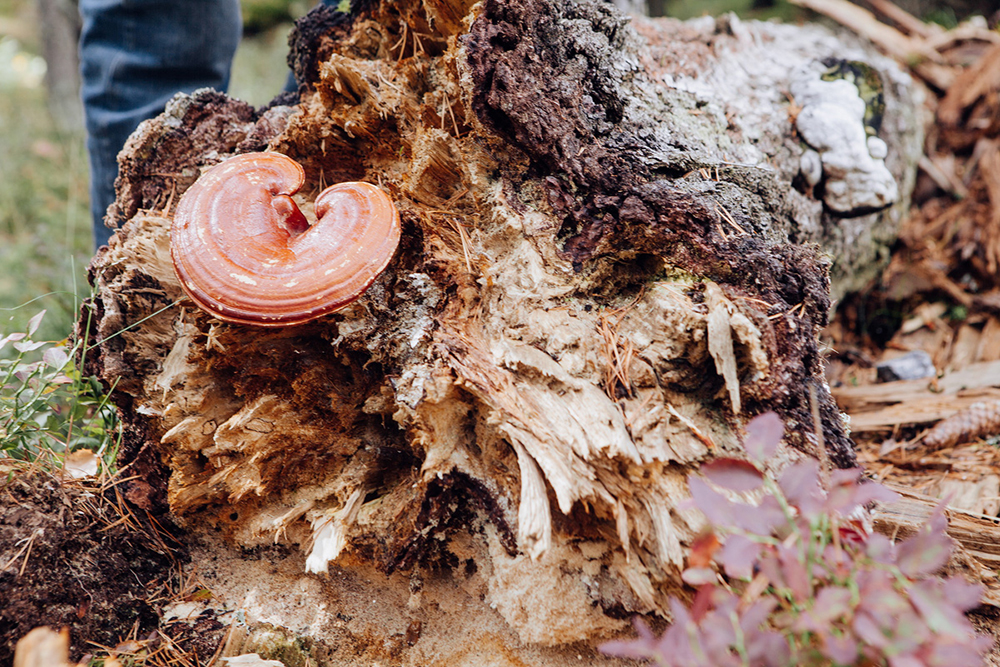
60	22
602	275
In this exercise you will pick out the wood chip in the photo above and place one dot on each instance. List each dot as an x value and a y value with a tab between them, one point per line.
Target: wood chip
969	86
975	376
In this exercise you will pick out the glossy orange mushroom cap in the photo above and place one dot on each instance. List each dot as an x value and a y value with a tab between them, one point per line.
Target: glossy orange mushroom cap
245	253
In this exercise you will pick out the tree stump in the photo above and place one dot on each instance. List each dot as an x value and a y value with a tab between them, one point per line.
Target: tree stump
608	264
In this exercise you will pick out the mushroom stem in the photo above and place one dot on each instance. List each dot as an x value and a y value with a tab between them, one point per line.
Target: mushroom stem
289	215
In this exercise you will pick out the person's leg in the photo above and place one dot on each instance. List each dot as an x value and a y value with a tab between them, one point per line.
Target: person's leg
134	56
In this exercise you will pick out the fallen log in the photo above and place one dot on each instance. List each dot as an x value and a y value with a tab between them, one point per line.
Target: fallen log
608	263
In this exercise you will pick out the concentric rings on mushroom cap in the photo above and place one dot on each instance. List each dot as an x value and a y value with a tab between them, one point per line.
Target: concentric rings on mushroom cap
237	259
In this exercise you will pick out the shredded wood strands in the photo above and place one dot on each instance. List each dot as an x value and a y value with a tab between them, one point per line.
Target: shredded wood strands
977	421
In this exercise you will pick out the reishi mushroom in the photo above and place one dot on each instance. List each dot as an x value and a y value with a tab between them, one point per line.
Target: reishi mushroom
245	252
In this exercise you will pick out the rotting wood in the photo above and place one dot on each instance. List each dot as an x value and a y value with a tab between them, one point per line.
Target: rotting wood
920	410
882	406
473	433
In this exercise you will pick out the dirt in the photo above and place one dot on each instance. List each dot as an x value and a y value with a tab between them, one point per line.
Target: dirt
74	554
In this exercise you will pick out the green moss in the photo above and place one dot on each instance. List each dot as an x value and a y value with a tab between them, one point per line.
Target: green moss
869	84
274	643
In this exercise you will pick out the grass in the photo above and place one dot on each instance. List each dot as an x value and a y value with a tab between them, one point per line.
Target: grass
45	238
46	405
746	9
260	68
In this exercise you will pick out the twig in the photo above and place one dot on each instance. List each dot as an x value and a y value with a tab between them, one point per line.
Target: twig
26	547
705	439
952	186
905	19
721	210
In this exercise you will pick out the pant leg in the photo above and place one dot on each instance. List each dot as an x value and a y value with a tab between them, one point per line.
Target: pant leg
134	56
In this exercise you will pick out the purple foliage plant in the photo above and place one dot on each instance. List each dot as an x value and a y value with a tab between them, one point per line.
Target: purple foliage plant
788	574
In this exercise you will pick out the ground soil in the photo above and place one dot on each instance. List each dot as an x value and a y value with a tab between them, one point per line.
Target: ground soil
76	556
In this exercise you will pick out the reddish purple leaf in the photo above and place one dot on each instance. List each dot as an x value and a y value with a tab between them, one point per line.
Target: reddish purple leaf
843	476
702	603
927	551
768	649
878	596
908	632
674	647
733	474
941	614
764	432
757	615
715	506
840	494
679	613
641	628
795	574
848	492
873	492
34	322
838	563
869	631
842	650
761	519
55	357
880	549
962	594
29	345
770	567
738	556
641	648
800	484
718	636
832	602
905	660
968	651
627	648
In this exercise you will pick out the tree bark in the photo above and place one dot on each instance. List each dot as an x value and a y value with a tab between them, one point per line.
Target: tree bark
604	272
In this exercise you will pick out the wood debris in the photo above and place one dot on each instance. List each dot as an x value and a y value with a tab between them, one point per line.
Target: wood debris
930	53
940	294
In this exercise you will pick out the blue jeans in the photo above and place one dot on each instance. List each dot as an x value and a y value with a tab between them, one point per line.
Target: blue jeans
134	56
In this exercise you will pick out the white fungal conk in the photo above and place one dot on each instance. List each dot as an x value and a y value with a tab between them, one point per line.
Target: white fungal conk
832	122
811	166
